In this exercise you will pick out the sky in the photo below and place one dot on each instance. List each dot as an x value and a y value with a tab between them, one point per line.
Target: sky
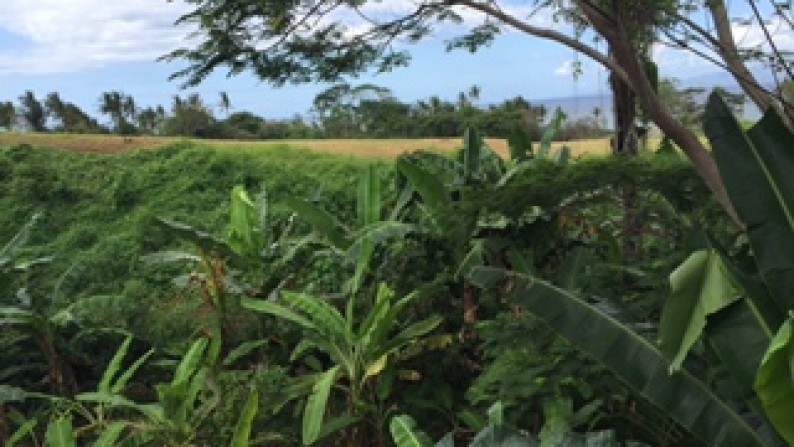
81	48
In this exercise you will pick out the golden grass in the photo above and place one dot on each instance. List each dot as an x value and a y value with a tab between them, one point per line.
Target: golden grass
361	148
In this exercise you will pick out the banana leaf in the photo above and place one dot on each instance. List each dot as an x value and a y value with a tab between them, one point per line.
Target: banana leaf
775	382
405	434
756	168
637	361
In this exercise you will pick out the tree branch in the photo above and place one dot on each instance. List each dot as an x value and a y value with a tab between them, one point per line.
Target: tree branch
545	33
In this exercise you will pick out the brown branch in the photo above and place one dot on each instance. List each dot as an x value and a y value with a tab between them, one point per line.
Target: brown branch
545	33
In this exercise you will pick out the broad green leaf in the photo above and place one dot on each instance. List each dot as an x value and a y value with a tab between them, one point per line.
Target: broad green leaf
700	287
316	406
321	221
472	153
376	321
10	250
245	229
201	239
242	433
640	364
335	424
21	433
60	433
496	414
739	342
243	350
544	151
325	317
756	169
405	434
412	333
114	366
368	202
191	361
278	311
110	435
125	377
432	190
112	400
775	382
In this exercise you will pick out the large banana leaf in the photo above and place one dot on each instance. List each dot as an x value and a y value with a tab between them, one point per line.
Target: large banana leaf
317	405
637	361
700	287
321	221
775	382
432	190
756	168
405	434
369	213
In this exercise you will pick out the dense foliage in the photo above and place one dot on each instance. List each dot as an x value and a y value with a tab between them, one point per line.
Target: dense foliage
336	302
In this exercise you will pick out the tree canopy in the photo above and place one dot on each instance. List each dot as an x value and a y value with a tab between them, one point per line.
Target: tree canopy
301	41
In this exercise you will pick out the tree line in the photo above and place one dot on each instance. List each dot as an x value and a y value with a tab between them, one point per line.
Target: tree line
341	111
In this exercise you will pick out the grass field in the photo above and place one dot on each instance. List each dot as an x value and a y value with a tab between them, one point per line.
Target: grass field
371	149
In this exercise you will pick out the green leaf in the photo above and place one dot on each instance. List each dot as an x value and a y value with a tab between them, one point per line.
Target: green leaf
405	434
756	168
21	433
563	156
201	239
325	317
278	311
472	153
12	394
496	414
640	364
242	433
432	190
125	377
368	202
700	287
10	250
316	406
60	433
321	221
191	361
775	382
114	366
110	435
544	152
245	231
243	350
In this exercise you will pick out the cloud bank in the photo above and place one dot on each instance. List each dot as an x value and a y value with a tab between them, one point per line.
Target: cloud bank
61	36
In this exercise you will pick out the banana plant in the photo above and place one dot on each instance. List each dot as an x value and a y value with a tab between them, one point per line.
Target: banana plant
740	317
357	244
361	350
714	300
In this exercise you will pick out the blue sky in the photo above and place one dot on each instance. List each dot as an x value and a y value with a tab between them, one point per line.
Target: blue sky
81	48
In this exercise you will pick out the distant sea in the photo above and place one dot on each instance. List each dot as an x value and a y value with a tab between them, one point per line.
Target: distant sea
583	106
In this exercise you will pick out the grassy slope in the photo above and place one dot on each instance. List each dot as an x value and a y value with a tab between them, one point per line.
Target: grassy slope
98	210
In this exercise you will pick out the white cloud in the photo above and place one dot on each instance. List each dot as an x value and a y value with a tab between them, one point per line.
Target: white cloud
73	35
565	70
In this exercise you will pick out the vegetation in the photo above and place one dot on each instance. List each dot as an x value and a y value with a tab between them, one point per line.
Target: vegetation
337	301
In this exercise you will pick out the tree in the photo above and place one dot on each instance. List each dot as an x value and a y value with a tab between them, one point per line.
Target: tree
68	116
190	118
121	109
288	42
33	112
8	114
225	103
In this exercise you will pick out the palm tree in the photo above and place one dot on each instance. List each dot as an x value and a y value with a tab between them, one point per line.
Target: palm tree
225	104
33	111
